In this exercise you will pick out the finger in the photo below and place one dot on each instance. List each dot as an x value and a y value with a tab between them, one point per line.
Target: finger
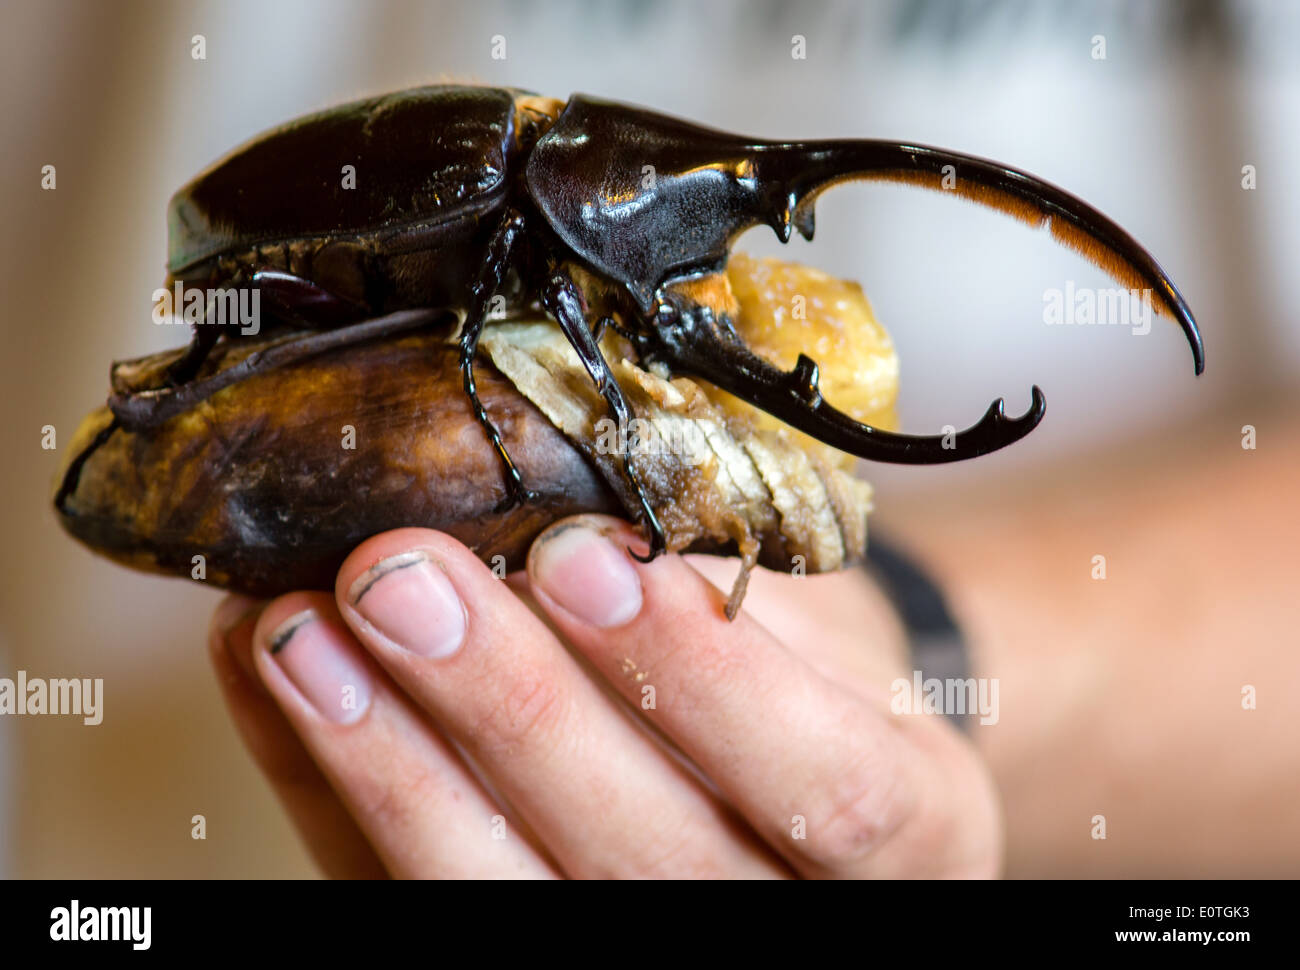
601	795
860	639
422	811
823	775
329	832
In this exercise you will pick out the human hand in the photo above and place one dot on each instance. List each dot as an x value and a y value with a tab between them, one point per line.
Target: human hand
596	717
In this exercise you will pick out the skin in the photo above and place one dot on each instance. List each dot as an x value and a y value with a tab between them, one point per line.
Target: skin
1124	697
746	732
1119	698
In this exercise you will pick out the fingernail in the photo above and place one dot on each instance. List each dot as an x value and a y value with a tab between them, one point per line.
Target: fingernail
412	603
233	611
588	574
322	666
238	614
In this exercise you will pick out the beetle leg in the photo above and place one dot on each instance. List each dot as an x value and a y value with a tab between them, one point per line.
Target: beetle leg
693	345
637	340
563	301
489	281
202	340
296	300
146	409
293	300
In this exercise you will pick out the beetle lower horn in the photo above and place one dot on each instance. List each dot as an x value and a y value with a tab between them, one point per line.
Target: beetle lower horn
804	170
794	397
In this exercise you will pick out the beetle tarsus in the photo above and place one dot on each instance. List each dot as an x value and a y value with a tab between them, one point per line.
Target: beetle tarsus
186	367
516	494
146	409
203	337
481	292
563	301
657	547
293	299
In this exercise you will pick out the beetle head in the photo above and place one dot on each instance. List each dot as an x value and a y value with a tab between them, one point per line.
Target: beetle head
643	198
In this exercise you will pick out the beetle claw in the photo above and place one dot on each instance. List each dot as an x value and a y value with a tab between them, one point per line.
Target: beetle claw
516	495
657	548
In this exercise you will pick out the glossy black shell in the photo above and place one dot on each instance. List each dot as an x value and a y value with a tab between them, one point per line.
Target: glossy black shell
642	197
423	157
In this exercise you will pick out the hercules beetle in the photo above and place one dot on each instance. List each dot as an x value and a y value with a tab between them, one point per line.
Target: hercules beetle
466	193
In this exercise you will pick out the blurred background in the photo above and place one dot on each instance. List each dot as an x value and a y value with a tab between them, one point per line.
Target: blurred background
1155	133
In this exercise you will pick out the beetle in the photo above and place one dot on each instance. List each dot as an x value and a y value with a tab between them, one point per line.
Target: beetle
601	213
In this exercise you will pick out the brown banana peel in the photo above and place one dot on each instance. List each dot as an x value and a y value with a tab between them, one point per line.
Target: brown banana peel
267	485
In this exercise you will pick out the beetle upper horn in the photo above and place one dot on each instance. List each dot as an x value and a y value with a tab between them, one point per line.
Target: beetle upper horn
807	169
